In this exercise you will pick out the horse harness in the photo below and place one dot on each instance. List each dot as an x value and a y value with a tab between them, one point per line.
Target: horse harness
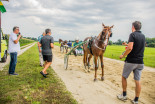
94	39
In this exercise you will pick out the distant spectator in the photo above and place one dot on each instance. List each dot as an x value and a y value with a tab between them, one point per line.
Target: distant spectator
69	44
14	47
40	50
79	49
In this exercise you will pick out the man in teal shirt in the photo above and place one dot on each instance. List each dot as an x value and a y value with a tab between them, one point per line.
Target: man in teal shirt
40	50
79	49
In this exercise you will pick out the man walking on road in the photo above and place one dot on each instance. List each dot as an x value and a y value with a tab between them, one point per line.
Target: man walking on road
47	43
14	47
40	50
134	61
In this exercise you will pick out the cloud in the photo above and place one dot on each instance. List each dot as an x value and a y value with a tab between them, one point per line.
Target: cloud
71	18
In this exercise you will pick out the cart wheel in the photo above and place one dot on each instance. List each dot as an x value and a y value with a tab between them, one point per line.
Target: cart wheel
94	63
66	61
5	57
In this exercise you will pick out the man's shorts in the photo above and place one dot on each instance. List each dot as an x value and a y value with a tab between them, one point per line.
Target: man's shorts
136	68
47	58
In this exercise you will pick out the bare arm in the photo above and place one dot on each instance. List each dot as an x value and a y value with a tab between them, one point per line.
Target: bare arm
17	40
125	44
52	45
128	50
39	45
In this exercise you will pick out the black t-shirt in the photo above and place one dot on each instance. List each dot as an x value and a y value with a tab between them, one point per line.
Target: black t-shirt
46	44
137	53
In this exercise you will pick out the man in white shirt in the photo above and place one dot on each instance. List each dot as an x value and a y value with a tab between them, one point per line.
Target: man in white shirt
14	47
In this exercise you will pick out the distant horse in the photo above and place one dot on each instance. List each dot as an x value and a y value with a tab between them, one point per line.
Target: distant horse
63	45
97	47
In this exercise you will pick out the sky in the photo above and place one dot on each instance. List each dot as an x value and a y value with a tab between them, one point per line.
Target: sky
69	19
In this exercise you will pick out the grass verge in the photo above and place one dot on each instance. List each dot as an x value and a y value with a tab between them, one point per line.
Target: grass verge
24	41
29	87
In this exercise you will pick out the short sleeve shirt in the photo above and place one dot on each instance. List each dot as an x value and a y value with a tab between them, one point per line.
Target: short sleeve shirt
39	38
79	48
46	44
12	46
137	53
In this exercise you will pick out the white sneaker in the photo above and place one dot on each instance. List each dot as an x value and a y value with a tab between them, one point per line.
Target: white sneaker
121	97
134	102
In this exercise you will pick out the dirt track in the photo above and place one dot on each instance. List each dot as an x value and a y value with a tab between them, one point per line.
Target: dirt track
85	91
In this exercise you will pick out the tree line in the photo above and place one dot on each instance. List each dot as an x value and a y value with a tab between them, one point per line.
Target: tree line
150	42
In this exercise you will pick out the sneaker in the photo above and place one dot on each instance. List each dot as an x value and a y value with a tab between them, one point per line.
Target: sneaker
121	97
134	102
13	74
44	75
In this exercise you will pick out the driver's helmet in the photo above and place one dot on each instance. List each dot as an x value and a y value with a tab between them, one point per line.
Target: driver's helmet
77	38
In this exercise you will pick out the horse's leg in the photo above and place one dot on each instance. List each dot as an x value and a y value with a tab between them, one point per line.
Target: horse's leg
67	50
90	56
102	66
85	60
96	67
63	49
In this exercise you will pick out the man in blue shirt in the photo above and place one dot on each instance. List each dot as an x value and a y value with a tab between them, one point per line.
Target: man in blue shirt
40	50
69	44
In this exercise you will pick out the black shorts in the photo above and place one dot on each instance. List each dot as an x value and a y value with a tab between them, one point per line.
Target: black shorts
47	58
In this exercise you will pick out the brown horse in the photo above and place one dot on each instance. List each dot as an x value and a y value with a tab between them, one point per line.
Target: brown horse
63	44
97	49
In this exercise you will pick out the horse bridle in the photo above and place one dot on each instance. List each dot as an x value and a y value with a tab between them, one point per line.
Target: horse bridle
106	37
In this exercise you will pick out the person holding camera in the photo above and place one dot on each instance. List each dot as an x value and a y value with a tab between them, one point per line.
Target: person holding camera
14	47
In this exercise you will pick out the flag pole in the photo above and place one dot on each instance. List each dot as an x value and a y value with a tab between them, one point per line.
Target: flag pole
1	30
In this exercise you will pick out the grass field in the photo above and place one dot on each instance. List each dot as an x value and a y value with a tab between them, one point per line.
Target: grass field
29	87
24	41
114	51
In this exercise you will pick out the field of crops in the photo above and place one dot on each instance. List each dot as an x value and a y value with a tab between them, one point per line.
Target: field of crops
114	51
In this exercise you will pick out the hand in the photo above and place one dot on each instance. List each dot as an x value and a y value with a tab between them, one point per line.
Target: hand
121	56
124	43
19	36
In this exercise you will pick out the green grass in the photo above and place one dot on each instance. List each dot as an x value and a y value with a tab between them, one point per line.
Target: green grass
24	41
29	87
114	51
56	43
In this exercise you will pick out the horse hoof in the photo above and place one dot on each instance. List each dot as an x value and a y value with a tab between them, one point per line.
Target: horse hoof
95	80
102	78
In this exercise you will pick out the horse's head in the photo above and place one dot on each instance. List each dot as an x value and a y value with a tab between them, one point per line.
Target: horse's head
60	40
106	33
